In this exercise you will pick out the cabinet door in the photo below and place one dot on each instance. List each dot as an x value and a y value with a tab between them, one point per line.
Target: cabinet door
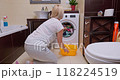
18	39
87	32
33	24
6	47
93	6
36	24
101	29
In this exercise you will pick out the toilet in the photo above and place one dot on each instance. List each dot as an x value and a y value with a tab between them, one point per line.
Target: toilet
103	53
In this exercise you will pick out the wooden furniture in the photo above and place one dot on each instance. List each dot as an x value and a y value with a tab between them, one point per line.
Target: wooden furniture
91	10
12	46
98	29
33	24
93	6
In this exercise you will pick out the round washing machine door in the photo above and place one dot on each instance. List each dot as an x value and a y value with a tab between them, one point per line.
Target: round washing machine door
69	32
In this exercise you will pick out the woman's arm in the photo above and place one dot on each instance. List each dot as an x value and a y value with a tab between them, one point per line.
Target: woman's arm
60	42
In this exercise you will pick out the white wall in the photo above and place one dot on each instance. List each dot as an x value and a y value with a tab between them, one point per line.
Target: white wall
19	10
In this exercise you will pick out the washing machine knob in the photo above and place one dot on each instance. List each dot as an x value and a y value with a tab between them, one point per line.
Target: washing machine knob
65	16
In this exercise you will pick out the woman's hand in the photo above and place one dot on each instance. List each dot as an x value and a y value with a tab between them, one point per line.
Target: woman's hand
59	39
66	50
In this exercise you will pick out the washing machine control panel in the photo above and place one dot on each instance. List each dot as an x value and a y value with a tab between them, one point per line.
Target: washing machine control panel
70	16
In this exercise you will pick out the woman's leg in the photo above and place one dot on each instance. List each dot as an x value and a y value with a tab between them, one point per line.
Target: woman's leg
41	53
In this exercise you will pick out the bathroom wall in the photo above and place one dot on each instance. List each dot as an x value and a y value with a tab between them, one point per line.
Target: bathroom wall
4	5
19	10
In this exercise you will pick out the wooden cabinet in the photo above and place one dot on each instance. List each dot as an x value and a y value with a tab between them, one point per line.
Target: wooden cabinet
87	32
98	29
33	24
93	6
18	39
12	46
6	47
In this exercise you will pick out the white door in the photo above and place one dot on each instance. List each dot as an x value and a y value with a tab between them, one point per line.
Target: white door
69	30
69	34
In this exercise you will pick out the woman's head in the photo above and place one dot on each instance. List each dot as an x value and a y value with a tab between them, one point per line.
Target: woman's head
57	12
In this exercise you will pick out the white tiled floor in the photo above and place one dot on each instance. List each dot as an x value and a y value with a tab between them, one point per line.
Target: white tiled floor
78	59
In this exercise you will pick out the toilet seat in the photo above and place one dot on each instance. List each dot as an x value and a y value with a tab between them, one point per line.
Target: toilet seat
104	51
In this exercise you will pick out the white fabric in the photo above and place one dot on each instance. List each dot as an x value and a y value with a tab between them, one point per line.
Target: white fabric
41	52
36	45
45	32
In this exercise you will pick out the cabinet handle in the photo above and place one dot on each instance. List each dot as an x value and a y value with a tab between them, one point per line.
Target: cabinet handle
85	35
86	23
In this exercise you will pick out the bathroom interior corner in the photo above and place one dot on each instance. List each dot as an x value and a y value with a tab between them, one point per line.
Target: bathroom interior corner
92	27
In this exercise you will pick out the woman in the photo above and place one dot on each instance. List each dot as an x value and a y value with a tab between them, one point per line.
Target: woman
36	45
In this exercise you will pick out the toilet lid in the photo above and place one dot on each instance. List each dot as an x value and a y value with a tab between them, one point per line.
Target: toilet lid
105	50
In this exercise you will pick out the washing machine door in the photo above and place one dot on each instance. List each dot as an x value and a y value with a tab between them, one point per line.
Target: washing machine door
69	30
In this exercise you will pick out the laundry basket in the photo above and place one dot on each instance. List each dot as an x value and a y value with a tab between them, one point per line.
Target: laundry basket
72	50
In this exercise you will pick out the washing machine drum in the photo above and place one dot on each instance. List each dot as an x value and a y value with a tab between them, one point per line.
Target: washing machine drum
107	51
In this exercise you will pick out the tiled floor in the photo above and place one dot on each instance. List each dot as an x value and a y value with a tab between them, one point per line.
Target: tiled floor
78	59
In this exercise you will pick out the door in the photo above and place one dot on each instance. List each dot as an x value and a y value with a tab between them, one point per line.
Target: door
6	47
69	31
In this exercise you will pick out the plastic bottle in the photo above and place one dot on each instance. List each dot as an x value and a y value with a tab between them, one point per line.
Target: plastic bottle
1	22
115	32
46	9
5	21
42	9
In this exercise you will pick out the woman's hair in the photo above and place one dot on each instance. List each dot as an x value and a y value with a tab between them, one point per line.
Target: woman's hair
57	12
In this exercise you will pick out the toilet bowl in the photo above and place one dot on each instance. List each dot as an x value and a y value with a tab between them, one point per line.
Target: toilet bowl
103	53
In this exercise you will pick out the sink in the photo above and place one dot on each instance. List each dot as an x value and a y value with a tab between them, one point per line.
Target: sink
42	14
11	29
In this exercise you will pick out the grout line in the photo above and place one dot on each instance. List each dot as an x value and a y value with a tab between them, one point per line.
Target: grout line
70	59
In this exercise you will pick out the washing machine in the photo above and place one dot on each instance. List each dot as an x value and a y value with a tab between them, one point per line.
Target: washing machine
70	23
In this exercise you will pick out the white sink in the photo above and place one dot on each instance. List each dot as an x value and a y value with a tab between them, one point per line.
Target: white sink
11	29
42	14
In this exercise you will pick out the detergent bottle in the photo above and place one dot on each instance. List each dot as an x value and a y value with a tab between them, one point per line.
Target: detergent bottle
5	21
1	22
115	32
